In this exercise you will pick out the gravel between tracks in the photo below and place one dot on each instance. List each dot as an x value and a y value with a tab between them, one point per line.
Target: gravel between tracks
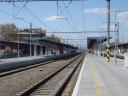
13	84
55	84
70	86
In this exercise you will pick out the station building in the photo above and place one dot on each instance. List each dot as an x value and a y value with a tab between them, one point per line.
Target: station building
33	42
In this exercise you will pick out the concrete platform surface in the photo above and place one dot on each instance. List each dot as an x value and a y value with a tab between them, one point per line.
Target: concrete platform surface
6	60
13	63
100	78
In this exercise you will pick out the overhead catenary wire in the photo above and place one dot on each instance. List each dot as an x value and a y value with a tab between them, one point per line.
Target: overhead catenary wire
65	7
14	17
57	3
21	9
58	14
32	14
68	22
67	18
23	20
69	13
13	12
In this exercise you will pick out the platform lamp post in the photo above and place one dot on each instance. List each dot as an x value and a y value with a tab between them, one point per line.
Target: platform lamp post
18	38
30	39
108	30
103	44
18	45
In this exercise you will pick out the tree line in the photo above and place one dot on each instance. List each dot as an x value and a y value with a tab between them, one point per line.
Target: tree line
8	32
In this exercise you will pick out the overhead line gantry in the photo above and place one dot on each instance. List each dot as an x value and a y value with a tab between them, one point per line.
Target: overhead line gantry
83	32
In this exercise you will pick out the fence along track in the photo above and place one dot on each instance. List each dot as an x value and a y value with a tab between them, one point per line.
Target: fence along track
42	87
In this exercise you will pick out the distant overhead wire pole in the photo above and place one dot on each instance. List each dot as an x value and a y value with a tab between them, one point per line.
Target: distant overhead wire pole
30	39
83	16
79	32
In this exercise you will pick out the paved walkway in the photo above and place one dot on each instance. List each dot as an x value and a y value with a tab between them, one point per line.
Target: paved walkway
100	78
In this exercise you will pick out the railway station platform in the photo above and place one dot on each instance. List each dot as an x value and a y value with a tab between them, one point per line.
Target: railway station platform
19	59
100	78
14	63
9	60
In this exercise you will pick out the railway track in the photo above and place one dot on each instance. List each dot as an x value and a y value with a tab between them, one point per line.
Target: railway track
14	83
55	83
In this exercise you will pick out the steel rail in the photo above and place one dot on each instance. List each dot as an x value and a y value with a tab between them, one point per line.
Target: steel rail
63	86
35	86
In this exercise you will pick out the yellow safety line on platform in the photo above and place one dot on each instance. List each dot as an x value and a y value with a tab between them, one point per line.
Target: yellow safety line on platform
96	81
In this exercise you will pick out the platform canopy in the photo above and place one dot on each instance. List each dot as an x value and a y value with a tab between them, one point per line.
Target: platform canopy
46	39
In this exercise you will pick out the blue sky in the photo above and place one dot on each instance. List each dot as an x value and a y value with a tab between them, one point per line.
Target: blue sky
70	19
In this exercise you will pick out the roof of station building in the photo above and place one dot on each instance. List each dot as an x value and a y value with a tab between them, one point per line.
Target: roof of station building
49	40
45	39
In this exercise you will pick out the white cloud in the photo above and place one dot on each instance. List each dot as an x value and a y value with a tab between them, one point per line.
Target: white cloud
112	27
96	10
54	18
127	24
123	16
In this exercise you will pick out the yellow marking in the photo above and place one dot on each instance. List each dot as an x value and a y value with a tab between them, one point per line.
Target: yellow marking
108	50
108	59
96	81
108	53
